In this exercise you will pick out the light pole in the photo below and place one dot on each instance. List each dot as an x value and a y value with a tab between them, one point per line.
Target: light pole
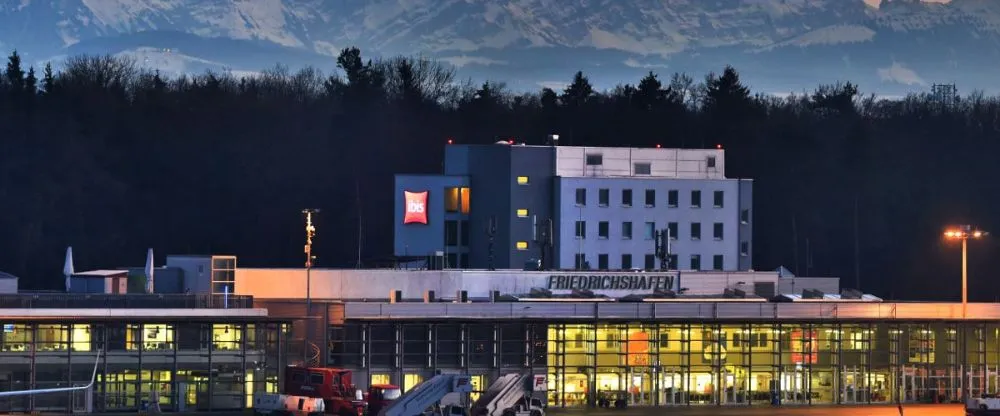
310	233
964	233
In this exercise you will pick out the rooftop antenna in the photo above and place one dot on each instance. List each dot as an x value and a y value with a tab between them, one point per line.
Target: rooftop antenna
310	233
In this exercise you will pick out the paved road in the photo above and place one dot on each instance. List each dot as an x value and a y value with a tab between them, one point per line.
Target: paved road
911	410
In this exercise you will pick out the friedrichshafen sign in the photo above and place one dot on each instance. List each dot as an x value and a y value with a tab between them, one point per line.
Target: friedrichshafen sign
599	282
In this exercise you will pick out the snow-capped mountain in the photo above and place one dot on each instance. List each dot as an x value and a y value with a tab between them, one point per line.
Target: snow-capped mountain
888	46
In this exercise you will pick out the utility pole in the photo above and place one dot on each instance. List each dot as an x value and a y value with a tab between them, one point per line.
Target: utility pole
310	233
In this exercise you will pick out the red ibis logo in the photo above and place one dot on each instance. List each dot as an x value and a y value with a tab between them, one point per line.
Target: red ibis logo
415	207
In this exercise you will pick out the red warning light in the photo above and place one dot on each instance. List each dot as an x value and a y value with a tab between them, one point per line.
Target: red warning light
657	145
450	141
511	141
718	146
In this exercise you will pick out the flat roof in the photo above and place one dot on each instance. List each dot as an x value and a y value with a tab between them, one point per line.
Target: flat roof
91	314
100	273
673	311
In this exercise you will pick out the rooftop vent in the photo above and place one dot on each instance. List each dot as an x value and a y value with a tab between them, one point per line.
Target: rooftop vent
812	294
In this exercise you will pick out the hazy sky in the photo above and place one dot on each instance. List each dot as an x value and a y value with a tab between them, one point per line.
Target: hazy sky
875	3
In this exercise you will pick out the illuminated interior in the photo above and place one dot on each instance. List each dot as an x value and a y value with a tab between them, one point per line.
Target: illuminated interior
522	212
226	337
151	337
81	337
522	180
411	380
456	200
522	245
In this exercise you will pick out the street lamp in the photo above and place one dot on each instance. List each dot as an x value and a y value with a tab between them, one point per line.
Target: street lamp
964	233
310	233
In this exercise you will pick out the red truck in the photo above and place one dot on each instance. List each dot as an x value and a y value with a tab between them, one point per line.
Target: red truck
333	385
379	396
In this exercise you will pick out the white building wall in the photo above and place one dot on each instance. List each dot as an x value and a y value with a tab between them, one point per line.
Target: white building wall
377	284
620	162
8	285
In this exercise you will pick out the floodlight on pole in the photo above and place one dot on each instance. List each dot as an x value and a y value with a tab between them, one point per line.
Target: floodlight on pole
964	233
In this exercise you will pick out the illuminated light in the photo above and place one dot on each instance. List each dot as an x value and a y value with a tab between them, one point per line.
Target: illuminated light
658	146
718	146
977	234
522	180
522	212
511	141
522	245
450	141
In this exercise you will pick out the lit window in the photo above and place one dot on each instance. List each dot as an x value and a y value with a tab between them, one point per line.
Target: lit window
522	212
522	245
522	180
226	337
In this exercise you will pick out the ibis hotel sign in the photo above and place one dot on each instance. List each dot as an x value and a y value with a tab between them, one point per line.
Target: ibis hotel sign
631	282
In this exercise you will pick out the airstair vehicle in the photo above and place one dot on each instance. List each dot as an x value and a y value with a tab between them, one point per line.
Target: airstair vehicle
983	406
509	395
428	395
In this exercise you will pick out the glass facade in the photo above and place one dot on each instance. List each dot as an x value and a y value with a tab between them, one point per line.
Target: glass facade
688	363
191	366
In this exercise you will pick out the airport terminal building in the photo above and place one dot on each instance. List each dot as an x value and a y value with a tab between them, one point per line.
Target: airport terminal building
748	338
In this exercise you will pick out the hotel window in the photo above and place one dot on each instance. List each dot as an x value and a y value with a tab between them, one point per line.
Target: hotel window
643	168
717	262
602	261
650	262
595	159
745	216
695	199
149	337
580	260
522	212
650	198
581	229
602	230
649	231
463	233
696	231
626	261
456	200
522	245
710	162
626	197
744	248
717	199
226	337
581	196
672	198
695	262
627	230
451	233
717	231
522	180
672	230
603	197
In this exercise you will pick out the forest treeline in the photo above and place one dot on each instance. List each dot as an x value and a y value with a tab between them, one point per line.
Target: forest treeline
112	159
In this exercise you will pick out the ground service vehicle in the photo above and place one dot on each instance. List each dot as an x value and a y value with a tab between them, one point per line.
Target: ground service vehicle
304	384
983	406
509	395
428	395
379	396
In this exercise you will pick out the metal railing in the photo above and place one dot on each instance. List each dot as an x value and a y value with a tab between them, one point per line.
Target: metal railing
127	301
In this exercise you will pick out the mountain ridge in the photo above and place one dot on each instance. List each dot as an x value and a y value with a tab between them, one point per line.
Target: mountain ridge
510	40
